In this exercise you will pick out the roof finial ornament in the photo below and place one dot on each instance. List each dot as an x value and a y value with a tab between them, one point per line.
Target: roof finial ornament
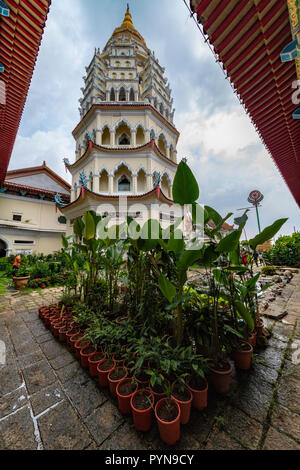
127	7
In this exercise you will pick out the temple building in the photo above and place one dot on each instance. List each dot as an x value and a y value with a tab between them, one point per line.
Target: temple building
30	220
126	139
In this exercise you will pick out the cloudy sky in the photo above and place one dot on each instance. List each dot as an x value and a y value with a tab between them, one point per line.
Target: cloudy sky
217	137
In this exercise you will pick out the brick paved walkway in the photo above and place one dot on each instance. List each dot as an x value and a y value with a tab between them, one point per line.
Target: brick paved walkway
47	401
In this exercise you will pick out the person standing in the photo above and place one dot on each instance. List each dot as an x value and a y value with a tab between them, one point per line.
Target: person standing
255	257
244	257
17	264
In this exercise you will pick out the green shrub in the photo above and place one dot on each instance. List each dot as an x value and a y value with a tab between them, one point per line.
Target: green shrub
269	270
285	251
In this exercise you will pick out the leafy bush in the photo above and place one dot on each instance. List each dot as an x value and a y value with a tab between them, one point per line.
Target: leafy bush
285	251
268	270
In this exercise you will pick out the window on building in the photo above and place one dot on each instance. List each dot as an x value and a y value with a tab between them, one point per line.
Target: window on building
131	95
62	220
124	140
17	217
123	184
122	94
112	95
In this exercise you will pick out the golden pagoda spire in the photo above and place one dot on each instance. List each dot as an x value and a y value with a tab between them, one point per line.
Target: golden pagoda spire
127	22
128	26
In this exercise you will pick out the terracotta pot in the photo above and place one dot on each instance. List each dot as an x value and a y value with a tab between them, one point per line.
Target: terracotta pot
157	396
21	282
169	431
142	383
116	357
56	327
94	361
221	379
259	326
62	334
103	374
43	311
73	339
124	400
71	332
85	353
46	320
81	343
112	383
185	407
142	419
199	397
242	358
252	339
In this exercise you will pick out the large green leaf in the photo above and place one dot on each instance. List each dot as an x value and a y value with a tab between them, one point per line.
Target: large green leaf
89	226
214	216
267	233
150	233
230	242
168	289
185	187
65	242
176	242
245	314
78	227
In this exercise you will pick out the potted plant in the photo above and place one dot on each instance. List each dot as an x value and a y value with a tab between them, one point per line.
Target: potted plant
141	402
242	355
22	276
114	377
168	415
182	395
103	369
124	390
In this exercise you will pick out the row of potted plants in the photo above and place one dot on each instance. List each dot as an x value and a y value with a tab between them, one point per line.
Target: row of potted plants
147	379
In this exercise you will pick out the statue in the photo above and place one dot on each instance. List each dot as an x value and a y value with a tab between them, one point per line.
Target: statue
157	179
83	180
58	200
66	162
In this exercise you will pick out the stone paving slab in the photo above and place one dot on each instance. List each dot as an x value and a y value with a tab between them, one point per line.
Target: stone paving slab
276	440
13	401
103	422
17	431
61	429
38	376
46	398
287	422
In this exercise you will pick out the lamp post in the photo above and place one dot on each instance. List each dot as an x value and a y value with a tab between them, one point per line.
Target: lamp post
255	197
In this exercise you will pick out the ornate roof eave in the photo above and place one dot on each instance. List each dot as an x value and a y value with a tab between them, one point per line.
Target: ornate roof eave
88	193
33	190
37	170
123	107
92	146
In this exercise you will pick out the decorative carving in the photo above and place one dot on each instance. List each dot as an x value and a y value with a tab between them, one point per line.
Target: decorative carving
83	180
58	200
157	176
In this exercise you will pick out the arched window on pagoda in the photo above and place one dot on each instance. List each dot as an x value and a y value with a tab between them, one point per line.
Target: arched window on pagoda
112	95
140	136
131	95
124	139
162	144
106	136
122	95
123	184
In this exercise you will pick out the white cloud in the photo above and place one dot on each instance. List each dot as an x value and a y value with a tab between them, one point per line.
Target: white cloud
51	146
